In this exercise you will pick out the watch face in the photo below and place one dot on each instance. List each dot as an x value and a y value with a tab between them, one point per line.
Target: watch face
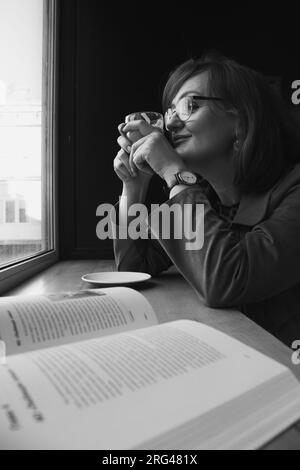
187	177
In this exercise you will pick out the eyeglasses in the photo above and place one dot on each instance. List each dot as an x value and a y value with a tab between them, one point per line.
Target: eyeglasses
186	106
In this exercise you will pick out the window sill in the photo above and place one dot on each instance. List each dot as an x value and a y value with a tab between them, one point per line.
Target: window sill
11	276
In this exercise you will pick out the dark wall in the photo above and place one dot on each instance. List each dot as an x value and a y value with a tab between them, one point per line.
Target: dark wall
114	59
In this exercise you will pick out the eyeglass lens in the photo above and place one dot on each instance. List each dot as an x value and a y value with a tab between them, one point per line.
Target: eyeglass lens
183	109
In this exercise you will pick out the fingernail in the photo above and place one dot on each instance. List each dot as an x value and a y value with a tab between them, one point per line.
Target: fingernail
129	148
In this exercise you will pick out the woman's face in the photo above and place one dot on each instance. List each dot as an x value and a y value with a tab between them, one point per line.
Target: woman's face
206	136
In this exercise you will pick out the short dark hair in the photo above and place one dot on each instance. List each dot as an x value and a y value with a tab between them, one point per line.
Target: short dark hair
268	135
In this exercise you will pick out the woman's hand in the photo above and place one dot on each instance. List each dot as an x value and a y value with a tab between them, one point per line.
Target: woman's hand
130	176
152	151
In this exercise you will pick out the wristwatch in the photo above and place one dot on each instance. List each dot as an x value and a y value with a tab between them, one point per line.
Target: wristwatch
183	177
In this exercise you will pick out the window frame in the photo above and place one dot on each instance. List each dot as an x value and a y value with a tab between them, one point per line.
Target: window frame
18	271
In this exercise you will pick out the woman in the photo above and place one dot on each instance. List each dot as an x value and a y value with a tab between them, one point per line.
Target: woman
227	124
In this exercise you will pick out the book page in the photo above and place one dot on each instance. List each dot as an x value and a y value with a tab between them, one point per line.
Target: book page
133	389
34	322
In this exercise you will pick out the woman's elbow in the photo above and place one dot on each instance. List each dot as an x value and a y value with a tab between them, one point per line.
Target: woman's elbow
216	302
217	297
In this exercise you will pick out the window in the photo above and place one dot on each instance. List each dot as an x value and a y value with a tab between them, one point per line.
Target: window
22	212
9	211
27	138
1	212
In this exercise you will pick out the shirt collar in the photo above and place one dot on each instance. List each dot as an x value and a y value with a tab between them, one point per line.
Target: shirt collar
252	208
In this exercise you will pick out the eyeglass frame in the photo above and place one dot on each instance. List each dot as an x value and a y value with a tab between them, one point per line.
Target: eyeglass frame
194	97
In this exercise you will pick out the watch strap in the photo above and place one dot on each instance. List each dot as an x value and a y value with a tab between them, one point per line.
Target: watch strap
177	180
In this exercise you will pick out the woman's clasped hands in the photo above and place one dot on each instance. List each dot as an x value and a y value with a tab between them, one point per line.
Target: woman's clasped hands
144	151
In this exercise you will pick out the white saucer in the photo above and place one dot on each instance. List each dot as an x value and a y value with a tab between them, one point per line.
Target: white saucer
115	278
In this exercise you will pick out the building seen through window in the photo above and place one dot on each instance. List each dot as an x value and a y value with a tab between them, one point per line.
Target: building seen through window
21	129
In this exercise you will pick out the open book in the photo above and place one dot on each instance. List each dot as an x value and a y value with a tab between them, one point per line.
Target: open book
95	370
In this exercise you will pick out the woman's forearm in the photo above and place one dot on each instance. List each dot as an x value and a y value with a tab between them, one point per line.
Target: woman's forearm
141	254
131	194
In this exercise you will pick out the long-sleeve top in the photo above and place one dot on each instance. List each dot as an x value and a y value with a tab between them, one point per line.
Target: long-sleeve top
249	261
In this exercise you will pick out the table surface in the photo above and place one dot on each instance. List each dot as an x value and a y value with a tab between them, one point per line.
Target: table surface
172	298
